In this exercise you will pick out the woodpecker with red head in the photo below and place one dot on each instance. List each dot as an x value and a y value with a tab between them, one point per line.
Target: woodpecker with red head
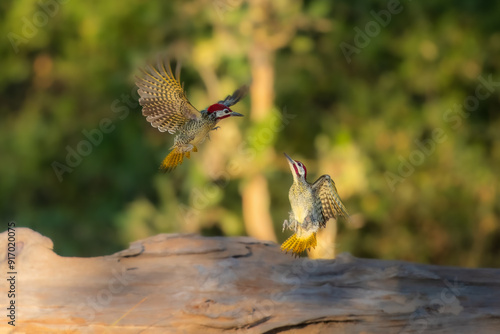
312	206
166	107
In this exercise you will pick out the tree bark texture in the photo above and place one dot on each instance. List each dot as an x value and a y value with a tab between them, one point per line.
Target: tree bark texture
173	283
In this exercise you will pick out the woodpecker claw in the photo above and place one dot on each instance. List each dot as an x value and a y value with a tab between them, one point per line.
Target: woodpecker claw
217	127
285	225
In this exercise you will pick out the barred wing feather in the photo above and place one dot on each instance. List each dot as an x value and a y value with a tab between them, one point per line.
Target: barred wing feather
331	204
235	97
163	100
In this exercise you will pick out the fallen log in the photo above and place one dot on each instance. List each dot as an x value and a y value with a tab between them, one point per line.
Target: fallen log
174	283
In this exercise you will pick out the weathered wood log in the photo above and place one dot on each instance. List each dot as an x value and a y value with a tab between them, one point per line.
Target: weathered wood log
173	283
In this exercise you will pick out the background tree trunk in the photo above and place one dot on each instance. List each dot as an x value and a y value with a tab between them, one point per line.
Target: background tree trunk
173	283
268	34
258	221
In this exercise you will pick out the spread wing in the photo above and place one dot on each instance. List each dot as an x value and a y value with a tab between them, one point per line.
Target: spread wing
235	97
331	204
163	100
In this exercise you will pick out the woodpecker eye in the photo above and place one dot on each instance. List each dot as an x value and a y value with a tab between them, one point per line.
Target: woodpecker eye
302	169
226	110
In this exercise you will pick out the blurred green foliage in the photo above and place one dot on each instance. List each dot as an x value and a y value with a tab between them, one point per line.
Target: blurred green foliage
68	65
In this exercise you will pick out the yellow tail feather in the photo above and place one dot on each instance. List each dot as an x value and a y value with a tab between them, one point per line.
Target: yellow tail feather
298	244
173	159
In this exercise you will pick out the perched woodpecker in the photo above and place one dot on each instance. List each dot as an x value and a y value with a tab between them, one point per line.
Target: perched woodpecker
312	206
166	107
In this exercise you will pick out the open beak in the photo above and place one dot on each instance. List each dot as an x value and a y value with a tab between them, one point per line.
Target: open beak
235	114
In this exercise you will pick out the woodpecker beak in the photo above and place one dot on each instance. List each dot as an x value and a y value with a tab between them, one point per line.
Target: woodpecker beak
235	114
290	162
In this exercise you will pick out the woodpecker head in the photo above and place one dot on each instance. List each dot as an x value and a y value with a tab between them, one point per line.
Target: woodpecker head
298	169
221	111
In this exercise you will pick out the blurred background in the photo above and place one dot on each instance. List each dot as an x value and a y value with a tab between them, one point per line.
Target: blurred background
398	102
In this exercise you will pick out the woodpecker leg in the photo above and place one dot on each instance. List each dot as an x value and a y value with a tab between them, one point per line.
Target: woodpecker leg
195	149
188	148
290	223
307	224
285	225
293	222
